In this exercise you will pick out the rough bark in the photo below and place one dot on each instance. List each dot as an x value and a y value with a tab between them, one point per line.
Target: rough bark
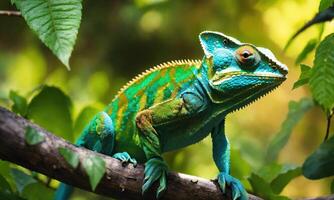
123	182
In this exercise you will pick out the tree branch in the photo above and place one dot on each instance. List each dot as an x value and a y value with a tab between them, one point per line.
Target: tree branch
119	181
10	13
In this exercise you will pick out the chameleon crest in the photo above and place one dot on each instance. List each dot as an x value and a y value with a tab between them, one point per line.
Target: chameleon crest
179	103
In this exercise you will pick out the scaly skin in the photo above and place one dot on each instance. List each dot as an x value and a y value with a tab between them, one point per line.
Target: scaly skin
179	103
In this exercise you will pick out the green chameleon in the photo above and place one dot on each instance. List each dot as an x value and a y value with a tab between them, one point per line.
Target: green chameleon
179	103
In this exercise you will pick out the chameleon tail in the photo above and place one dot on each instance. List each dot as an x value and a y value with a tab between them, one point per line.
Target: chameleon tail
63	192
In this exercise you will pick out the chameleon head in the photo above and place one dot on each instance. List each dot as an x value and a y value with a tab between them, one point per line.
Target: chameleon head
239	71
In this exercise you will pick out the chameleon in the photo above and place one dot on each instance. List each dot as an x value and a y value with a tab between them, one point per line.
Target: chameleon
179	103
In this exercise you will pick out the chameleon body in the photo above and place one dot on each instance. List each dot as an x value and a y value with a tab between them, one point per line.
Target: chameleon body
179	103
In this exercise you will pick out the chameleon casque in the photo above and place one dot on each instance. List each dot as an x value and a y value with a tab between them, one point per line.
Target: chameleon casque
179	103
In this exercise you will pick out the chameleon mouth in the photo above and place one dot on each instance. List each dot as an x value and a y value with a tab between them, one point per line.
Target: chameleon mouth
220	78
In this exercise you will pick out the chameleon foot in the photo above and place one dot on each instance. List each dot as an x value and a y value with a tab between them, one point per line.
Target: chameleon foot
125	158
155	169
238	191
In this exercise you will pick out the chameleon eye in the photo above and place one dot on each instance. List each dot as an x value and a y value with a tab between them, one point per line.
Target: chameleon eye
247	56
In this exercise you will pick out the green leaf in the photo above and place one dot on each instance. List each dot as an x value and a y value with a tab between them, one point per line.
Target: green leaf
19	103
310	46
332	187
5	171
284	178
32	136
320	17
324	4
70	156
263	188
240	167
21	179
56	22
278	197
4	185
322	76
320	163
51	109
7	196
270	171
260	186
95	168
37	191
304	76
296	112
86	114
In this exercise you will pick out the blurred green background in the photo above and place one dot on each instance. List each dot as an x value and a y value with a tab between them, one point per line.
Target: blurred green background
119	39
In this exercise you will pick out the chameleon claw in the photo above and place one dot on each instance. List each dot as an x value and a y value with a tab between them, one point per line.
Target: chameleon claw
125	158
155	170
222	183
134	162
163	186
235	192
238	191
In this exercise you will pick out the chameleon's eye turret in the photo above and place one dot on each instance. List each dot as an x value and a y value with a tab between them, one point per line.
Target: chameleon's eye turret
247	56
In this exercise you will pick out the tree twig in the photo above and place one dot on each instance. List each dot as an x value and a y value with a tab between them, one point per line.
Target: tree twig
10	13
119	181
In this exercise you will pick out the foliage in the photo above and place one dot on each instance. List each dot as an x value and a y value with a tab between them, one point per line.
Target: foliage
272	178
284	177
305	73
4	186
263	188
296	111
32	136
310	46
21	179
52	105
325	13
322	74
55	22
324	4
51	108
38	191
19	103
320	163
320	78
25	186
10	196
71	157
95	168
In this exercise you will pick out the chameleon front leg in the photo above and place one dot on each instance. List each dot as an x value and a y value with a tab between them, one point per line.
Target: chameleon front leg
182	107
221	156
100	135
